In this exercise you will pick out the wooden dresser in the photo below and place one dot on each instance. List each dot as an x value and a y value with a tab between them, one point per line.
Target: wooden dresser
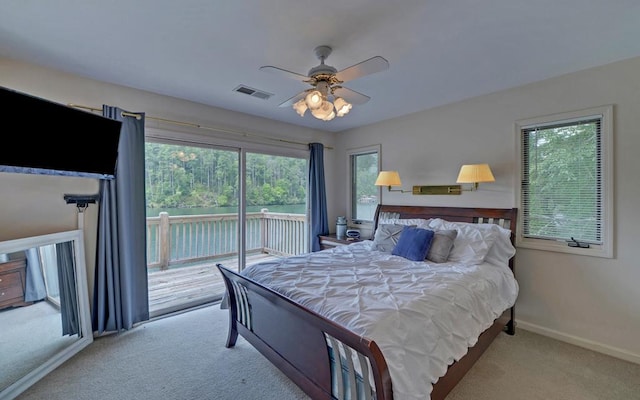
12	283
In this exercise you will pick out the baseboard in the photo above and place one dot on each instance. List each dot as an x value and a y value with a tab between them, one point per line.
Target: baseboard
578	341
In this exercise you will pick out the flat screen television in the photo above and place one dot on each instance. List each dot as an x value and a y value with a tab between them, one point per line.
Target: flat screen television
51	138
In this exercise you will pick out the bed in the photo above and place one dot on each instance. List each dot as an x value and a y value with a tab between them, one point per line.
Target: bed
364	322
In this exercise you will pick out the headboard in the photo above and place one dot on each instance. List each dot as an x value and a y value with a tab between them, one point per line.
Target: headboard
505	217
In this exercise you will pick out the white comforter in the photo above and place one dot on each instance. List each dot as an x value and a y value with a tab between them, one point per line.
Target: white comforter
423	316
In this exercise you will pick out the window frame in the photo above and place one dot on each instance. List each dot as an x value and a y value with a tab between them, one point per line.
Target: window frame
350	183
605	250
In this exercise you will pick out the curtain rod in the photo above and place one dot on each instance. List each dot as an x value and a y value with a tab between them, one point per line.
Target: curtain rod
191	124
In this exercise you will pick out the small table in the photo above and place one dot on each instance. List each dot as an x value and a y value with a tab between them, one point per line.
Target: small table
331	241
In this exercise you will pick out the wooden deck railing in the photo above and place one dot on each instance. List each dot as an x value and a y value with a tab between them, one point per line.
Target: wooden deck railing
197	238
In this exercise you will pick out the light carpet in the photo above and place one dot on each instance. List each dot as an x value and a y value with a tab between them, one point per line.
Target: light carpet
183	357
28	337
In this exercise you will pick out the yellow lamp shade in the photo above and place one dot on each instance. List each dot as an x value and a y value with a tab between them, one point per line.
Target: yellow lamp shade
388	178
474	173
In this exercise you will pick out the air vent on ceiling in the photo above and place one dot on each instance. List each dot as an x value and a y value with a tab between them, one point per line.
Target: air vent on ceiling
253	92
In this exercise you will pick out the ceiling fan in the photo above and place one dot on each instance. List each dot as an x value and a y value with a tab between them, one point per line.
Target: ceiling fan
326	84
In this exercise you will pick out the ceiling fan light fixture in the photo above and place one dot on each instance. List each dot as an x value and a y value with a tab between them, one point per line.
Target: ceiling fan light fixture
317	113
324	111
300	106
331	116
342	107
314	99
326	82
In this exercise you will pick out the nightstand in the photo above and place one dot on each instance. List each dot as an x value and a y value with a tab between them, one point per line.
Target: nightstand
331	241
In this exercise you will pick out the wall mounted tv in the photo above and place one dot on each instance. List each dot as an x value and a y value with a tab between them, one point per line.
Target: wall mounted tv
55	139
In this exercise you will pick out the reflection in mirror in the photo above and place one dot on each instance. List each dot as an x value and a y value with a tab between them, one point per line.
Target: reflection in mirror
44	307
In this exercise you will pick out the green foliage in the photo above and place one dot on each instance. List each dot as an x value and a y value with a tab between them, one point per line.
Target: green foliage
563	181
186	177
366	171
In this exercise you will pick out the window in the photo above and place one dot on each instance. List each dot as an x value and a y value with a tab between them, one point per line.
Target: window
363	194
566	182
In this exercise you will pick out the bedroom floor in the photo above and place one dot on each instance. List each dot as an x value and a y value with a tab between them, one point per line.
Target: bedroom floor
165	358
531	366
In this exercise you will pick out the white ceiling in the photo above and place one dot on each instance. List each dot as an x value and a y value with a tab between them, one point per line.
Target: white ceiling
439	51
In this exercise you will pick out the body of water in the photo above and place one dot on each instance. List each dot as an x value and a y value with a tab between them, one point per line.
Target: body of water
365	211
290	209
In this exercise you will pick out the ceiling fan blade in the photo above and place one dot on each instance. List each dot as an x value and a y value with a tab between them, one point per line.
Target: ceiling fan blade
367	67
351	96
284	72
289	102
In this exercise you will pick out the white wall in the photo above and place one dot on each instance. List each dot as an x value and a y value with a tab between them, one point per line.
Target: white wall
593	302
34	205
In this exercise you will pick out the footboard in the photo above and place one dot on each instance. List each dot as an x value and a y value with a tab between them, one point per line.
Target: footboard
321	357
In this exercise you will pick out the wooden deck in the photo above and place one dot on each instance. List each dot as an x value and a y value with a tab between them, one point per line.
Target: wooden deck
184	287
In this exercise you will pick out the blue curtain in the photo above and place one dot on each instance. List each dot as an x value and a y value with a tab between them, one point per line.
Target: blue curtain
120	296
35	288
317	195
67	284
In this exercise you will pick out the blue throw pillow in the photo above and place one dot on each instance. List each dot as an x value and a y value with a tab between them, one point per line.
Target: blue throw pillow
413	244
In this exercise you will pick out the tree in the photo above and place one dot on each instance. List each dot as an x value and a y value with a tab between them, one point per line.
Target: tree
185	176
563	188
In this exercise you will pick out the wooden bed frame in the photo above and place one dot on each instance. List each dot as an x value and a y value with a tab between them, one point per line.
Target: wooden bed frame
294	338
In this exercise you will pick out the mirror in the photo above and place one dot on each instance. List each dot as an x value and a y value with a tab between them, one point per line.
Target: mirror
44	307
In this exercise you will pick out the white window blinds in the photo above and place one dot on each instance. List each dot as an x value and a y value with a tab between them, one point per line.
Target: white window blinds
562	180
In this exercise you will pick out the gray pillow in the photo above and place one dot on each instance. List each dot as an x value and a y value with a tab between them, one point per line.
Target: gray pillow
441	245
386	237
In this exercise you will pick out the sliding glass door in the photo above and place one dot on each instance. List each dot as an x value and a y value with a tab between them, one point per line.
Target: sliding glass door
192	195
200	213
276	206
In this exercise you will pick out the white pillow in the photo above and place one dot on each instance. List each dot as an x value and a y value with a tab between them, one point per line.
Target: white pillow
436	222
502	250
472	244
